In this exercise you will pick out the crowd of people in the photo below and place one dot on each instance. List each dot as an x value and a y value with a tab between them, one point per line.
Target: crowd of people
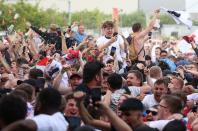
55	80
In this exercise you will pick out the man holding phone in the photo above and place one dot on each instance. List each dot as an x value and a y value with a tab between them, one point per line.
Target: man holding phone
92	78
111	41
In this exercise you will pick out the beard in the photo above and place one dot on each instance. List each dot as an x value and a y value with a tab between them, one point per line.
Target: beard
129	83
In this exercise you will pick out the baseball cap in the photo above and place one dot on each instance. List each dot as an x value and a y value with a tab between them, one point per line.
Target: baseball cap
75	75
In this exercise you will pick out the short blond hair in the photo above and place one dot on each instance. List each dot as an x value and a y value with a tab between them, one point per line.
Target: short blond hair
155	72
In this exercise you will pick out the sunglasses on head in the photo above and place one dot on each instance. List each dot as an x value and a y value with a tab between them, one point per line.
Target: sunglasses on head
154	113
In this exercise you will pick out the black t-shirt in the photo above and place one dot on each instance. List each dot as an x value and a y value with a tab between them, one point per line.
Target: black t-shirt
84	88
70	42
89	95
145	128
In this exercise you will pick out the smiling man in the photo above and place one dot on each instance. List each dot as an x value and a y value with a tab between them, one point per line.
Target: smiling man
160	88
134	78
110	40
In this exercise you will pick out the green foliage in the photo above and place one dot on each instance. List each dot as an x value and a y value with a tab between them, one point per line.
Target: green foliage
165	19
40	18
28	13
92	19
195	22
129	19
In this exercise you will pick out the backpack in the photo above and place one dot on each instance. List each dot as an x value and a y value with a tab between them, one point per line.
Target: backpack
132	52
133	55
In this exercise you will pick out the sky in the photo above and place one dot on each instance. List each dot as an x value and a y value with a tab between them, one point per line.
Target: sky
192	5
104	5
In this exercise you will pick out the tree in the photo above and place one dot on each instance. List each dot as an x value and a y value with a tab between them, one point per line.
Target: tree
129	19
92	19
195	22
165	19
28	13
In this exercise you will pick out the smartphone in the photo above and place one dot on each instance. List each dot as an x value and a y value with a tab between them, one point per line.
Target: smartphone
90	38
175	73
113	50
150	35
74	122
96	94
115	34
127	91
73	43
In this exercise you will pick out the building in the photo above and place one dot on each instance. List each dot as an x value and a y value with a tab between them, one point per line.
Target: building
148	6
190	6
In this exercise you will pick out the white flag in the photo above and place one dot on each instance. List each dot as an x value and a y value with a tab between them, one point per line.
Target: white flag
180	17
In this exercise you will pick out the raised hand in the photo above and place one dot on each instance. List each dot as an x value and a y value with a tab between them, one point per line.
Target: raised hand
79	95
65	68
113	39
28	24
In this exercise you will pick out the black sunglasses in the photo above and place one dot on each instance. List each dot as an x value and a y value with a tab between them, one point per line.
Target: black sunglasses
154	113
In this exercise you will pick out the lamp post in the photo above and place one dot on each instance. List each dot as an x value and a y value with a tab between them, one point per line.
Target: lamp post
69	11
121	10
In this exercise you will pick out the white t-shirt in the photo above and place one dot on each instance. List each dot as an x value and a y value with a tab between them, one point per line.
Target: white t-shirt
135	91
55	122
160	124
193	97
153	56
64	84
149	101
103	40
30	111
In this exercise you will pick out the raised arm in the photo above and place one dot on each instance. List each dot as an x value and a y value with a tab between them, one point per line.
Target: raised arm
64	45
84	42
32	48
107	98
57	81
39	32
148	78
4	63
150	26
194	46
86	117
102	46
116	121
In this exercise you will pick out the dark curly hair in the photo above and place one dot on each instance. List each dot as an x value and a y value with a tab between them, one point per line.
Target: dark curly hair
12	108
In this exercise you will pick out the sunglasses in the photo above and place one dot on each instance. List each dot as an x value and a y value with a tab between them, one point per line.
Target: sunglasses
154	113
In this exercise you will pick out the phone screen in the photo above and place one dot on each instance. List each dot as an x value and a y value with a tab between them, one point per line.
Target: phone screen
150	34
74	122
96	94
115	34
113	50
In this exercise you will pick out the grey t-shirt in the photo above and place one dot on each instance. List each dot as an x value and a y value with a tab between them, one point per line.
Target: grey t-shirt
135	91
